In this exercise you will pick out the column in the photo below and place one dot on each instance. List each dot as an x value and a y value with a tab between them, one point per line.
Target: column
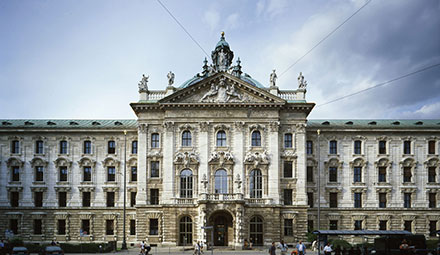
301	164
141	196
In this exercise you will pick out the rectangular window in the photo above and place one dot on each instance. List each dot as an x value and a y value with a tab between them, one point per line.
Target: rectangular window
39	149
288	140
110	199
432	228
407	200
133	198
86	199
382	200
87	147
62	199
154	226
13	226
431	174
154	196
287	197
310	226
154	167
310	199
333	147
15	198
309	147
407	174
63	147
309	173
39	172
134	175
85	227
288	169
333	200
155	140
357	200
383	225
38	226
111	174
15	147
134	147
333	174
406	147
432	200
109	227
431	147
15	174
333	225
357	147
38	199
357	225
63	173
111	148
61	227
132	227
407	225
288	227
357	177
87	174
382	174
382	147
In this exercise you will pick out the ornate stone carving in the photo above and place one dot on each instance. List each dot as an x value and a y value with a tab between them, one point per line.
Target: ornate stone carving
154	154
240	125
143	84
358	162
256	127
143	128
274	126
169	126
238	181
14	161
38	162
222	92
273	78
289	154
186	158
85	161
302	84
257	158
204	181
221	157
170	77
301	128
186	127
204	126
221	127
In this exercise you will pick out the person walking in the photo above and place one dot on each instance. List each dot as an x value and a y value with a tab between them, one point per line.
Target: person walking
283	247
328	249
142	248
197	249
301	248
272	249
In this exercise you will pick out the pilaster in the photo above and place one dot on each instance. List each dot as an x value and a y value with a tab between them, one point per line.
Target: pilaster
301	164
168	165
141	196
273	174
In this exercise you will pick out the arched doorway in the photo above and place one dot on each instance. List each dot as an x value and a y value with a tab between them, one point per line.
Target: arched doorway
223	228
256	230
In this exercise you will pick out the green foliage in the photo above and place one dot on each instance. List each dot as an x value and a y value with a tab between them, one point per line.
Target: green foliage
311	237
16	242
340	243
85	247
431	244
34	248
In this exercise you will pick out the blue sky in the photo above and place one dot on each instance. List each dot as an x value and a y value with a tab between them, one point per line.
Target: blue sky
83	59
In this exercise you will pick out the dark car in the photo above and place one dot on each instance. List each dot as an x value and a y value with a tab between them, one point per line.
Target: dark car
52	250
20	250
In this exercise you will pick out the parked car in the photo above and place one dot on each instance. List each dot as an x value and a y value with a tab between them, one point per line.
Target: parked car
20	250
52	250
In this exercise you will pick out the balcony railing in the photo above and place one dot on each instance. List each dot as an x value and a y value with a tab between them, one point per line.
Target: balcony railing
222	197
259	201
155	95
184	201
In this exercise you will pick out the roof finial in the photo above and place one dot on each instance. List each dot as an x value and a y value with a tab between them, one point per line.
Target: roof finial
223	33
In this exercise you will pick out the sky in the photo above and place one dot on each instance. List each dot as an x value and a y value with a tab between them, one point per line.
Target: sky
65	59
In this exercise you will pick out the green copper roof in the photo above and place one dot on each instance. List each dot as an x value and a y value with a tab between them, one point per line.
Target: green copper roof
66	123
374	124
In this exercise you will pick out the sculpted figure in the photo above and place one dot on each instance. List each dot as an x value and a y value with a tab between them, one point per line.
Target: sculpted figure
302	84
143	84
170	78
212	92
273	78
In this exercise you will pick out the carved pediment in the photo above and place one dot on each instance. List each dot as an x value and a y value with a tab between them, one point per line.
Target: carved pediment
257	158
222	88
221	157
186	158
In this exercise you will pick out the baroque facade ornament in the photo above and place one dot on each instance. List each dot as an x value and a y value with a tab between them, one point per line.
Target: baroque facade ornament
221	157
301	128
170	77
302	84
143	128
240	125
274	126
169	126
222	92
143	84
186	158
204	126
273	78
257	158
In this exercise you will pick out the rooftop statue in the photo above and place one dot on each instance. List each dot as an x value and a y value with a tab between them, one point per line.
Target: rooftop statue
170	78
302	84
143	84
273	78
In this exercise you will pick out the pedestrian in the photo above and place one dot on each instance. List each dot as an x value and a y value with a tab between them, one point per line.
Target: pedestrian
301	248
315	245
2	247
283	247
197	248
142	245
328	249
272	249
100	248
53	243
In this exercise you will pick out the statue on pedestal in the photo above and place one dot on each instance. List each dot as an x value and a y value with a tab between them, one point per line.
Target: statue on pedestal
273	78
143	84
170	77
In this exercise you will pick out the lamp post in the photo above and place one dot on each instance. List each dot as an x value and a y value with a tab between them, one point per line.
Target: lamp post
319	188
124	243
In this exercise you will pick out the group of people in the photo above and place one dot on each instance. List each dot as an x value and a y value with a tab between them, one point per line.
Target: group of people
300	248
145	249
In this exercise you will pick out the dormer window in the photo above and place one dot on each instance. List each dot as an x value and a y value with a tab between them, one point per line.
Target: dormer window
186	138
256	138
221	138
111	149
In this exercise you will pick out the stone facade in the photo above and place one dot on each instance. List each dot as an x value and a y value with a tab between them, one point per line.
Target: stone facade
221	150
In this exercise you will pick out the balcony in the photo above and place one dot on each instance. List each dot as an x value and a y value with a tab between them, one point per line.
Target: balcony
222	197
184	201
259	201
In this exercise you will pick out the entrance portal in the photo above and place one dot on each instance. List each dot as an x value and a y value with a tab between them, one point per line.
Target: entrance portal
223	230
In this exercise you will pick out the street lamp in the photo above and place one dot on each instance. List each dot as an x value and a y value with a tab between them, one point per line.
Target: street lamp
124	243
319	188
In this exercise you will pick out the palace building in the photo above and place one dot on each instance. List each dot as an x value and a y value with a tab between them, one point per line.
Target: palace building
220	150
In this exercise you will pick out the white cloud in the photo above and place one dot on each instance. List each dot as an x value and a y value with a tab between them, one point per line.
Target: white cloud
276	7
212	18
260	7
426	111
232	21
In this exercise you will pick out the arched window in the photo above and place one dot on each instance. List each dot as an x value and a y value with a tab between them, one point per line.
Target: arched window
186	184
256	184
185	231
221	138
256	138
186	138
256	230
221	182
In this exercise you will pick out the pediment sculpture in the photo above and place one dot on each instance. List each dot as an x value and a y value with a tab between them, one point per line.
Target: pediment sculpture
257	158
221	157
222	92
186	158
